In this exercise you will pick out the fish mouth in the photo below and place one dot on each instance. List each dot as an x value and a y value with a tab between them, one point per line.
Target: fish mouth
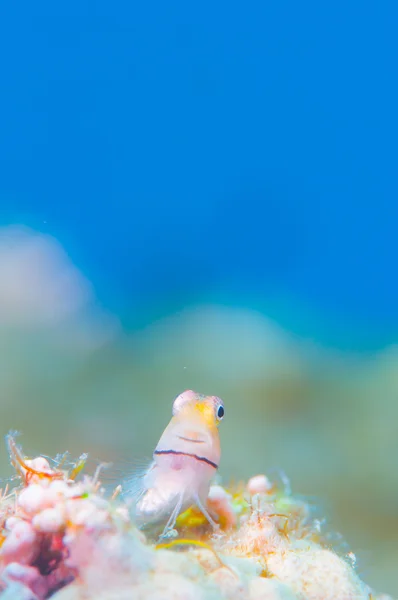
187	439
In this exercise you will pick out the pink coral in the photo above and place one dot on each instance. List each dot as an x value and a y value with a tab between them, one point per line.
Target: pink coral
259	484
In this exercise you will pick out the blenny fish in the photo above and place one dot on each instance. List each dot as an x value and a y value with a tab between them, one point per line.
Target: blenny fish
185	460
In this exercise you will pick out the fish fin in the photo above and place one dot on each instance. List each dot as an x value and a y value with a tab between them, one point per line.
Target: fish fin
205	512
135	484
173	518
130	474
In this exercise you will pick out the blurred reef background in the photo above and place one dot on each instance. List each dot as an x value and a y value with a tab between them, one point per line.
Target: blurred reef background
206	197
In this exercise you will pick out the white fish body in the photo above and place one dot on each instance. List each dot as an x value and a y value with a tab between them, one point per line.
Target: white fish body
185	461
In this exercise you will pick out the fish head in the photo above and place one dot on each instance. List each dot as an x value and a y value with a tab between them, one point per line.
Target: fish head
193	428
197	407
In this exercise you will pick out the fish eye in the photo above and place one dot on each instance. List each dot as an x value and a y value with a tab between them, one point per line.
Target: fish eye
220	412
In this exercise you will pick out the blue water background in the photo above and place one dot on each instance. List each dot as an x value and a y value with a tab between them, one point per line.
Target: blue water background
239	153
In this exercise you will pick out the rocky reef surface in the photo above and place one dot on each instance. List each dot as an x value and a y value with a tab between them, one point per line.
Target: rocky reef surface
63	536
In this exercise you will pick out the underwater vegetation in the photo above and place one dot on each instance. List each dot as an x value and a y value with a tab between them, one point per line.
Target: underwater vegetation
63	536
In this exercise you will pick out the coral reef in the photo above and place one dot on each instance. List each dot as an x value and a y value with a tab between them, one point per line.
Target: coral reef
63	537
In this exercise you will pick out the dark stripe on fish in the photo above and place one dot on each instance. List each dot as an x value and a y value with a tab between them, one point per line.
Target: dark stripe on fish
200	458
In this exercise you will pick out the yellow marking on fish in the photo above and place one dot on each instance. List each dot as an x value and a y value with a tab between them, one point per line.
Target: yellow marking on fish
207	413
